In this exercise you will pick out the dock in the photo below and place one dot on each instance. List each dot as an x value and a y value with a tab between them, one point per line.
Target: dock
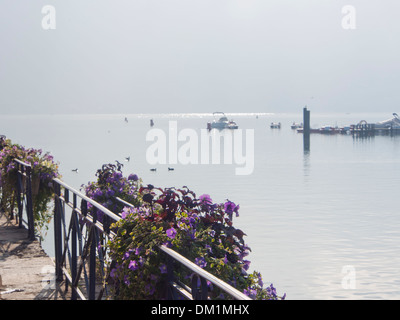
362	129
26	271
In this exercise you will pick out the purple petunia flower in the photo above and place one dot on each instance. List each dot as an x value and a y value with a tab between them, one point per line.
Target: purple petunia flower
229	206
168	244
171	233
133	177
260	281
150	289
112	272
133	265
205	199
125	212
246	264
117	176
192	234
163	268
252	293
201	262
271	291
127	254
110	192
192	220
98	193
126	281
236	210
243	254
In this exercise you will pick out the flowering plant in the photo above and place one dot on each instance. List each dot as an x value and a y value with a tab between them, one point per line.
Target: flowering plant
197	228
43	170
110	186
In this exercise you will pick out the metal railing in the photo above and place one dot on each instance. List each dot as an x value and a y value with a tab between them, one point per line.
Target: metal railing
24	198
79	240
81	254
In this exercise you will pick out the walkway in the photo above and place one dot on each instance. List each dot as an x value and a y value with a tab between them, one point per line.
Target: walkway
26	272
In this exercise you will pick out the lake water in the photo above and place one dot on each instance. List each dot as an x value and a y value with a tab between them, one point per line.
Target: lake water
323	224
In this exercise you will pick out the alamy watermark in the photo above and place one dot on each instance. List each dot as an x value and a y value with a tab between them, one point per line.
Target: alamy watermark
348	21
49	277
49	20
349	279
349	17
187	146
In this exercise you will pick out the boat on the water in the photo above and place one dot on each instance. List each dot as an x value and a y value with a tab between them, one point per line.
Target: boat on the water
295	126
275	125
326	130
222	122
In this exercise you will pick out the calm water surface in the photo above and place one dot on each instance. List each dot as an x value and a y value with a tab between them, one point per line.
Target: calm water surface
314	220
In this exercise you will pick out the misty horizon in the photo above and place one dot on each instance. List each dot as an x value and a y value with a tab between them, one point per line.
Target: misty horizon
174	56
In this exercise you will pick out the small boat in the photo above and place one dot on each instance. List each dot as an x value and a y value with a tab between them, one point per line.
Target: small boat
324	130
222	122
232	125
327	129
275	125
295	125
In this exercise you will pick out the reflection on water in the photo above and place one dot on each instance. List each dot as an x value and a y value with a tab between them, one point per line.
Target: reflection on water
307	214
306	163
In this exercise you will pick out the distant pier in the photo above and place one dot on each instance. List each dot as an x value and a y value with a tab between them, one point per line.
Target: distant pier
361	129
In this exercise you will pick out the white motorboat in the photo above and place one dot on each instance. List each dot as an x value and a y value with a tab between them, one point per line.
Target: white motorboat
275	125
295	125
222	122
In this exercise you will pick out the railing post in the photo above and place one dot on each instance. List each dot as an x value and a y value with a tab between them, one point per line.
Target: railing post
57	232
202	292
92	265
170	278
20	171
29	204
74	263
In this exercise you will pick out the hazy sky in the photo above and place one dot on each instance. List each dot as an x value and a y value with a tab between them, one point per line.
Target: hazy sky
145	56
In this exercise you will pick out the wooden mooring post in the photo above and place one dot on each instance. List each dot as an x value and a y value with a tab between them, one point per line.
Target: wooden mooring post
306	129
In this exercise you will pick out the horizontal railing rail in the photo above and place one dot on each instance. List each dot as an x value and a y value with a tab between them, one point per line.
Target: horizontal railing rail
203	277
